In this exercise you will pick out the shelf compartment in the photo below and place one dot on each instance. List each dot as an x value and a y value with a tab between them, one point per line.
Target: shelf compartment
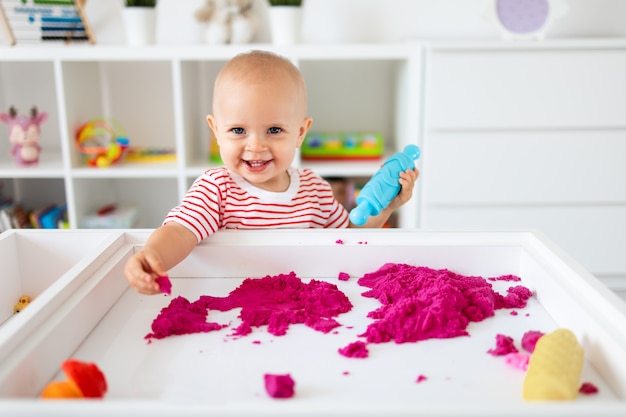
25	85
137	94
151	197
35	193
362	92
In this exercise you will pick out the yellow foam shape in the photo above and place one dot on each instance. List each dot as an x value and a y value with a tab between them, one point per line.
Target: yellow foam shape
555	368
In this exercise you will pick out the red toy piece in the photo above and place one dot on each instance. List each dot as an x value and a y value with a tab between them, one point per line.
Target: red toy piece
85	380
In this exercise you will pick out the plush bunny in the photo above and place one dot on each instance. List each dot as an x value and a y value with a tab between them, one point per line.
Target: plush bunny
24	134
228	21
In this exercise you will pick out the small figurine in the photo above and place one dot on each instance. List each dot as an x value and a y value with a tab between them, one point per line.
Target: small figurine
21	305
228	21
383	186
24	134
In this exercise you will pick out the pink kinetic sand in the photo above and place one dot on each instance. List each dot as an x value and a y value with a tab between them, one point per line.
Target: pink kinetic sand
343	276
279	386
588	388
181	317
355	350
505	278
504	346
281	300
165	285
529	340
517	360
420	378
275	301
420	303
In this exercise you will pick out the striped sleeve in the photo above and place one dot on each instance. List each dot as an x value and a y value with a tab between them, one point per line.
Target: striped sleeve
200	210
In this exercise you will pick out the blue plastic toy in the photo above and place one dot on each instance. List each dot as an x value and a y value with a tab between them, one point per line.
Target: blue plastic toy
383	186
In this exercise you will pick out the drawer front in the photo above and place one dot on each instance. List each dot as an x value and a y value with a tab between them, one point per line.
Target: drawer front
526	89
525	167
593	236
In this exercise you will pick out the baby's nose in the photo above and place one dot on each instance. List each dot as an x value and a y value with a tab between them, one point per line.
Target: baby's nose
255	143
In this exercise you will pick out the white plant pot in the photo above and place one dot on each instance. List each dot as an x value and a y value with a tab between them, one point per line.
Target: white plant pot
140	25
285	24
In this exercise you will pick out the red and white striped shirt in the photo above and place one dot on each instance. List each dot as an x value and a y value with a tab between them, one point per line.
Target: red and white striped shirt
221	199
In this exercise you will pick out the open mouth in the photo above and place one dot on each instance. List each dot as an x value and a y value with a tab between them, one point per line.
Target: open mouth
257	165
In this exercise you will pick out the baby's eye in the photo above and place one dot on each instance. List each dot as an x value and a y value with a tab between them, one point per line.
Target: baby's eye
238	130
274	130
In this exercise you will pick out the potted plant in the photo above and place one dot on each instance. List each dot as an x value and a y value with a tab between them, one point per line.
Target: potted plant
140	21
285	17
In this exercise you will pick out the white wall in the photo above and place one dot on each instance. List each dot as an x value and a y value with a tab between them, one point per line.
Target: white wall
329	21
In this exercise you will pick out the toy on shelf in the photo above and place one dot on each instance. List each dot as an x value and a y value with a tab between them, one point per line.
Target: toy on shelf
111	216
149	155
21	304
383	186
332	146
49	217
102	142
41	21
24	134
227	21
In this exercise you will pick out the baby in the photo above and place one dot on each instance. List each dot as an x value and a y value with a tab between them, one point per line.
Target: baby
259	119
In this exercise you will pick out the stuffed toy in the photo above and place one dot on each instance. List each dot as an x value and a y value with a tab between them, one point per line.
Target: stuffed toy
228	21
24	133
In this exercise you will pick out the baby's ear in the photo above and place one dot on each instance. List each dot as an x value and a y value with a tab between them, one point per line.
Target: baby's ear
210	119
304	129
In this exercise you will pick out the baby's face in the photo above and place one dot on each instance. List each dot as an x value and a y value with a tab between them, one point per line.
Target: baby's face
259	126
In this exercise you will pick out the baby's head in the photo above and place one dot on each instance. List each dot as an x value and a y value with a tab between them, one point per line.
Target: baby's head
259	117
261	67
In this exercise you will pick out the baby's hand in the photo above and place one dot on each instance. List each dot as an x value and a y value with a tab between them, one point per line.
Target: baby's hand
407	181
141	271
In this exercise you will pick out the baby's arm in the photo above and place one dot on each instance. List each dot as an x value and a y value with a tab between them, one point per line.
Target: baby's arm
166	247
407	182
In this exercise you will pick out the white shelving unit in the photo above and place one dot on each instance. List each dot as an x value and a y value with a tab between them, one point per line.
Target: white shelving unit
513	134
161	96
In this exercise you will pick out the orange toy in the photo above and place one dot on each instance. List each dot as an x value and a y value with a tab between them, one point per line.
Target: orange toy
85	380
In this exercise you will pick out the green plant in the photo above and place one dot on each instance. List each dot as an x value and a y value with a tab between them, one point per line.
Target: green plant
141	3
295	3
